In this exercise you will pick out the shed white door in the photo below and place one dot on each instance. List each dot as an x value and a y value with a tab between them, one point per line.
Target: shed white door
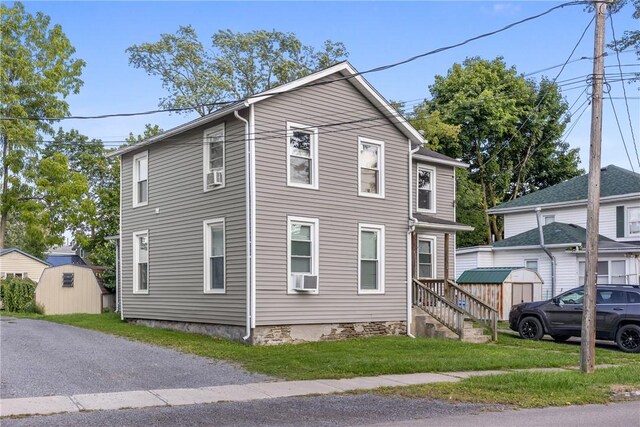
521	292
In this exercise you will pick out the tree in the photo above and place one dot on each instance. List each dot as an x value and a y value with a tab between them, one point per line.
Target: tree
510	131
237	66
38	72
629	38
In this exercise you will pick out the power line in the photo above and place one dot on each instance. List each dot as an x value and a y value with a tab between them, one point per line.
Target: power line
615	114
272	93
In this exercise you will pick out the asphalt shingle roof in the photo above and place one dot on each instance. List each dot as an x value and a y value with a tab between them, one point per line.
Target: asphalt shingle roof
614	181
486	275
556	233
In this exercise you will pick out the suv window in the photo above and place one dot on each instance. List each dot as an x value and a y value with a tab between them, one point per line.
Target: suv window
611	297
634	298
573	297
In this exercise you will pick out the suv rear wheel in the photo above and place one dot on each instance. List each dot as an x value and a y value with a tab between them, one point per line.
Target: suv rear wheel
560	338
530	328
628	338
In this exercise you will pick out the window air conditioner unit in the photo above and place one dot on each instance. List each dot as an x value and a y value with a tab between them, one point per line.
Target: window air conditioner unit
305	283
214	178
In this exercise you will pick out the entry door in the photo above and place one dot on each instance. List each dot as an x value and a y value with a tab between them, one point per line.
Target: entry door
521	292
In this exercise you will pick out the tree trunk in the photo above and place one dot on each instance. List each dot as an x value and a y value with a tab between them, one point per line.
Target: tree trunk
5	190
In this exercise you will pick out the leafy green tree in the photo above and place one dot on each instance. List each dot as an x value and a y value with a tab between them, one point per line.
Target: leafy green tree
237	65
510	132
629	38
38	72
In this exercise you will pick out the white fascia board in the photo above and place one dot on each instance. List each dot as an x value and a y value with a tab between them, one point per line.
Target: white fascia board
181	128
556	246
473	249
453	162
571	203
445	227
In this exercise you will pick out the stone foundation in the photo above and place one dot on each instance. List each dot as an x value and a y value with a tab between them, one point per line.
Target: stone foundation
270	335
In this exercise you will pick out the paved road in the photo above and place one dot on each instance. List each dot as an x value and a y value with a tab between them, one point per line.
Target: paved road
39	358
342	410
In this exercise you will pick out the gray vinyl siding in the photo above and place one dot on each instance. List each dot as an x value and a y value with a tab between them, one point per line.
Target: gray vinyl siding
445	189
335	204
176	283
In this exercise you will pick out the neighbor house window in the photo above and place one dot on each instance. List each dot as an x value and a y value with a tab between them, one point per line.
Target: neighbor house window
548	219
141	179
371	259
214	256
18	275
303	253
141	262
302	156
609	272
531	264
371	167
426	189
426	257
633	221
214	152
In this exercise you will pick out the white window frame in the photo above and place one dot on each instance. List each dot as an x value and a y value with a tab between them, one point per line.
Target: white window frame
380	144
136	255
206	229
420	166
434	250
609	269
206	156
627	223
315	178
136	158
315	251
381	258
545	219
532	260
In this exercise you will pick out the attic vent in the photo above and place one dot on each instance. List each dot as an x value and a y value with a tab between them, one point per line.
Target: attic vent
67	280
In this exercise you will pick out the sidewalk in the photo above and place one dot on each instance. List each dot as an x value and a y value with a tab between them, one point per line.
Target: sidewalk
227	393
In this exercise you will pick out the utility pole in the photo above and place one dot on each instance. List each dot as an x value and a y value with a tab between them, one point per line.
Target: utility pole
588	342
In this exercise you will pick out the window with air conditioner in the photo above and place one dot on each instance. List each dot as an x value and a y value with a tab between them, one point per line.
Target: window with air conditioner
370	259
214	256
141	179
303	253
302	156
141	262
214	157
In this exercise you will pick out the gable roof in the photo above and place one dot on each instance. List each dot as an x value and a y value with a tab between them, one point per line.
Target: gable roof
614	182
9	250
65	259
556	233
486	275
345	69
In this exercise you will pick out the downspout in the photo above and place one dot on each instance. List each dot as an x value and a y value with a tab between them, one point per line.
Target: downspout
412	227
119	243
248	230
551	257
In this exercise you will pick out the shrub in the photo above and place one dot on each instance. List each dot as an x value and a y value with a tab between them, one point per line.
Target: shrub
17	293
33	307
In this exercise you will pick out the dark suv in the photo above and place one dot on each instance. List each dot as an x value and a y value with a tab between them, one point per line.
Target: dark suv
617	316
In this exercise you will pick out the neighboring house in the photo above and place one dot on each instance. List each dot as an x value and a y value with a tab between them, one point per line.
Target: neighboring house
68	289
17	263
301	213
563	216
64	255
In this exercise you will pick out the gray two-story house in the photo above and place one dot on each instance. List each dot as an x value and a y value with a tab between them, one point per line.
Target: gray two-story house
302	213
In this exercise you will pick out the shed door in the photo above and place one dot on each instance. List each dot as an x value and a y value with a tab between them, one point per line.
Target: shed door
522	292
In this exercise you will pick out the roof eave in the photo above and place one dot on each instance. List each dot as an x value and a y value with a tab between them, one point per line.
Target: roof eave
553	246
452	162
570	203
445	227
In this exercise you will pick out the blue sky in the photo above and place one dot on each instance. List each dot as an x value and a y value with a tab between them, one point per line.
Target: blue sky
375	33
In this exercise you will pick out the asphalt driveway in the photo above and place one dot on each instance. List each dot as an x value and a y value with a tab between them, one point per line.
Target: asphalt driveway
39	358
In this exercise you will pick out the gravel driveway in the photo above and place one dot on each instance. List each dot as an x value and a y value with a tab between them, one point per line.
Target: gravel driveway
39	358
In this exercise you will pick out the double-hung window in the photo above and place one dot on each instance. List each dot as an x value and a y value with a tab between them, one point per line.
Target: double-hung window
214	160
303	254
426	189
370	259
426	257
633	221
141	262
141	179
371	167
302	156
214	256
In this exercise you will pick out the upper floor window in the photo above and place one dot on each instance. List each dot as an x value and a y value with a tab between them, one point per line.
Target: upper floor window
426	189
303	252
141	262
141	179
302	156
214	256
371	167
371	259
633	221
214	161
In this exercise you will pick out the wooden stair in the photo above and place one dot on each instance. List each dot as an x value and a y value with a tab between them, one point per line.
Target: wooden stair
428	327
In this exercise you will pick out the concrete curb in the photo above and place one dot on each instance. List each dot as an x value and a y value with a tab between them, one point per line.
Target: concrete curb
227	393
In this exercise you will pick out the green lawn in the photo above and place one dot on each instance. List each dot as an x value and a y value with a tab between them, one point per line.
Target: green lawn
531	389
350	358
